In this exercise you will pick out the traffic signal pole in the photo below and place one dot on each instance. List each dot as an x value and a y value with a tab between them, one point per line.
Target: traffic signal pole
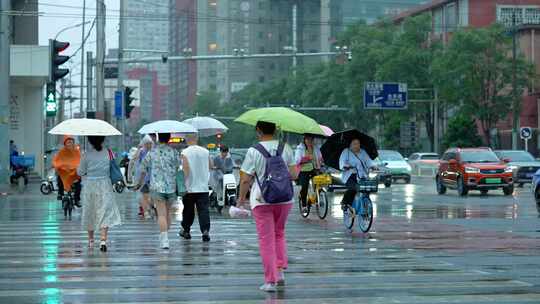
120	78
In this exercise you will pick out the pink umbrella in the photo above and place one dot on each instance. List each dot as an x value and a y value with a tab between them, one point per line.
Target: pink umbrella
327	131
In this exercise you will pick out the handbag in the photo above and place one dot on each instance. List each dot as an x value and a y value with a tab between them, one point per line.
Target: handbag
180	183
114	169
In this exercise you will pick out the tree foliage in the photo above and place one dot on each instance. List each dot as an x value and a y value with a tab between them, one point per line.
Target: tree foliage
475	74
462	132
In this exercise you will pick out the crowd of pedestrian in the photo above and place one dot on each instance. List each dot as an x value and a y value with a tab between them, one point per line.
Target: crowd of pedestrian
155	167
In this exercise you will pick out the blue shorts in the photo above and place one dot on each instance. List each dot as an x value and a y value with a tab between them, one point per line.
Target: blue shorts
168	198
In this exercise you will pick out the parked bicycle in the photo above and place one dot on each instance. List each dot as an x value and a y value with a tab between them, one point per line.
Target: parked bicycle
316	196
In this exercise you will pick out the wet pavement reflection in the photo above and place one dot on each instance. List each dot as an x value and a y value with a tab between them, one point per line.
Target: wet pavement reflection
423	248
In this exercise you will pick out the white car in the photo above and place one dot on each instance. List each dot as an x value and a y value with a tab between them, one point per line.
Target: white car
423	161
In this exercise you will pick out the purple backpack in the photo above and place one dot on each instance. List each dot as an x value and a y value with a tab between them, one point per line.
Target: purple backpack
276	185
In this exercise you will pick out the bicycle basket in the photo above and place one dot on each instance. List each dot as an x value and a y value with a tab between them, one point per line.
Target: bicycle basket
367	185
322	180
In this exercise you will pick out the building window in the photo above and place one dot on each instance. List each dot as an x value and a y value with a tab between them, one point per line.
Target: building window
261	50
212	47
437	21
450	17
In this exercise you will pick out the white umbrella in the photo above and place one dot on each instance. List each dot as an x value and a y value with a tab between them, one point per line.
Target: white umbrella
207	126
84	127
167	126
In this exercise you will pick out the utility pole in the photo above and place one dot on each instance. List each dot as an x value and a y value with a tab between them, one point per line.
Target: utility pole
120	85
5	30
90	109
295	35
436	122
100	60
516	101
81	103
62	99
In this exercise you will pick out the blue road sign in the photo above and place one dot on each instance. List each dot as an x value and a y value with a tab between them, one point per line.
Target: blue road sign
525	133
118	99
385	95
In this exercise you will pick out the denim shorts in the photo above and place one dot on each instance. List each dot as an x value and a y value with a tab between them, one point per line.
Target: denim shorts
168	198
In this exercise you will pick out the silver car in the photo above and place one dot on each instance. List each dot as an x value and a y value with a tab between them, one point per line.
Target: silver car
523	164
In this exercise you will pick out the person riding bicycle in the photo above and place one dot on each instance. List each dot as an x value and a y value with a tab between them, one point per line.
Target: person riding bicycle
221	164
308	159
355	164
66	162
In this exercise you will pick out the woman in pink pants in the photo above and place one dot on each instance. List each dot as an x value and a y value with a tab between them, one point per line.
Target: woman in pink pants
270	219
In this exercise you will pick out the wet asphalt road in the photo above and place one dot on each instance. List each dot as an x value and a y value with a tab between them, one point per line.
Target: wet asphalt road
423	248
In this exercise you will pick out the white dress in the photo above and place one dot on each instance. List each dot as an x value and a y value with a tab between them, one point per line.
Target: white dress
99	205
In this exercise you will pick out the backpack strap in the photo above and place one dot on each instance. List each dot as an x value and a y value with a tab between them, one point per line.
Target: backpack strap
280	149
259	147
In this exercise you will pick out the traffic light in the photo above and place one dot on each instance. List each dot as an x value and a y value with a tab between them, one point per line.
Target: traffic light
56	60
50	100
127	100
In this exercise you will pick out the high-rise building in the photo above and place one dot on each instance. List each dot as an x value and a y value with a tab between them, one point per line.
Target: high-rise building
147	34
183	22
211	27
227	27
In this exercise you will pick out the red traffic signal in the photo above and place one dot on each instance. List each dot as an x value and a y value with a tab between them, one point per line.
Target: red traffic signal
55	48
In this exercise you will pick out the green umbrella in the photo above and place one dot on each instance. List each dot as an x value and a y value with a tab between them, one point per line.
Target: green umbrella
286	120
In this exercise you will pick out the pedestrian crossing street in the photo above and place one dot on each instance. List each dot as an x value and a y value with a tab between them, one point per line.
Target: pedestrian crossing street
45	259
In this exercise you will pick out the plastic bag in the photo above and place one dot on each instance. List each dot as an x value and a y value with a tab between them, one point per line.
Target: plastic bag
236	212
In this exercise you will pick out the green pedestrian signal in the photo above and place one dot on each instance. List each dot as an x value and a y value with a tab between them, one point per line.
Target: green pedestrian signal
50	100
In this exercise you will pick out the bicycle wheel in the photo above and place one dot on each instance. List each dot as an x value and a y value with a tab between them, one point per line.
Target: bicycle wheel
348	217
304	210
365	214
322	204
45	189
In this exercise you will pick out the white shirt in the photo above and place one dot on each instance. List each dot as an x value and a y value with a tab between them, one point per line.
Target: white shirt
256	163
199	169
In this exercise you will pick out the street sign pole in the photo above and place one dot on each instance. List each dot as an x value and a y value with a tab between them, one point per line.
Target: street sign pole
526	133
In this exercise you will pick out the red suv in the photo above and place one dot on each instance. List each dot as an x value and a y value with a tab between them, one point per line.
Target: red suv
467	169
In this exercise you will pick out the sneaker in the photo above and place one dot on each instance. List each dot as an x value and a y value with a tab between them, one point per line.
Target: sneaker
163	240
141	211
78	204
281	278
184	234
147	215
206	237
268	287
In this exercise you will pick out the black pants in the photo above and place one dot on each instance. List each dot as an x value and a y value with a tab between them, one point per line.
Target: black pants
348	198
303	181
76	189
200	200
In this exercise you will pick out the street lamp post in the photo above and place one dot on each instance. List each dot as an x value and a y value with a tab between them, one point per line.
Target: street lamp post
69	28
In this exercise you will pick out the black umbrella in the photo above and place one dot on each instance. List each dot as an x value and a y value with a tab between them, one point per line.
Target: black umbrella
333	147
